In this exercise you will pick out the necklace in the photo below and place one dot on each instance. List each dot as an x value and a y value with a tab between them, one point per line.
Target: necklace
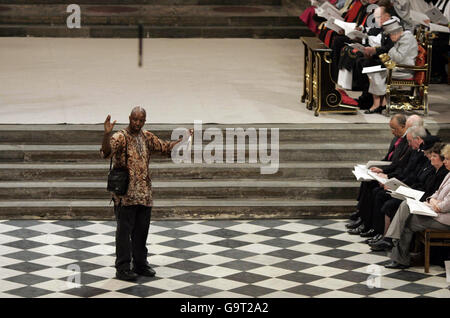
139	144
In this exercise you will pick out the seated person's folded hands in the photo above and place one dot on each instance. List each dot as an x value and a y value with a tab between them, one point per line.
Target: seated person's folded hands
376	170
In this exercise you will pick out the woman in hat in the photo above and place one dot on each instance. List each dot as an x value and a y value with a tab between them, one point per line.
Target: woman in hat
404	51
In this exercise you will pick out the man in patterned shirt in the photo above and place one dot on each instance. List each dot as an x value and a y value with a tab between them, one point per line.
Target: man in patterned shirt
133	209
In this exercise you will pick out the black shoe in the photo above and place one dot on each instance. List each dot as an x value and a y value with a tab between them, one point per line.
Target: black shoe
146	271
356	231
378	110
354	216
126	275
374	239
381	245
395	265
369	233
354	225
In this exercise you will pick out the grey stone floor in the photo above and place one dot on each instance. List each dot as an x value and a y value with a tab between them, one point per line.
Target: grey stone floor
62	80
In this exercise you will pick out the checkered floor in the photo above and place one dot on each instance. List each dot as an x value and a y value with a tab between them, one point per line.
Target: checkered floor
257	258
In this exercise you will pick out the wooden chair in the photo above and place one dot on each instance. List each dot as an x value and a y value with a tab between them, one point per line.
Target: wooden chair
416	98
432	238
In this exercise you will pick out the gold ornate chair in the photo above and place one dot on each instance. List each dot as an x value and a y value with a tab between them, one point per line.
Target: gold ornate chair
415	96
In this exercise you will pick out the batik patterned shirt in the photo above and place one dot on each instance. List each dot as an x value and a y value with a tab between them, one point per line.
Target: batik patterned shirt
139	149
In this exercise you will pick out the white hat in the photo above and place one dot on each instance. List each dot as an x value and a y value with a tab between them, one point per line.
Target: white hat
392	26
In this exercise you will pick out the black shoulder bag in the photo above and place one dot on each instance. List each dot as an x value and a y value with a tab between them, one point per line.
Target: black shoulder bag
119	178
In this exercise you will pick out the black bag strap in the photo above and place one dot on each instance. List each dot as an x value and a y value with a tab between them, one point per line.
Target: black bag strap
126	151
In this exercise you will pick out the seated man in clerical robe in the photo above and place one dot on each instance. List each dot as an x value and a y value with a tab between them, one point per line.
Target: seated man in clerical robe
363	22
353	60
312	20
356	13
309	16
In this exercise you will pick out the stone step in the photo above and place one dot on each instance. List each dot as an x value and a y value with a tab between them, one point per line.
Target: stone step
180	209
168	171
154	21
149	2
287	152
157	24
160	21
288	133
145	14
198	189
99	31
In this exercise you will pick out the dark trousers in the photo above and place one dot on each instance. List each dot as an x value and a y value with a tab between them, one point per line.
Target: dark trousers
365	205
133	223
380	196
390	207
337	46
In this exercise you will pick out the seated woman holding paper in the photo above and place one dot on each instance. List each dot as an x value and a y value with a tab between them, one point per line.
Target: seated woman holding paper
405	223
404	51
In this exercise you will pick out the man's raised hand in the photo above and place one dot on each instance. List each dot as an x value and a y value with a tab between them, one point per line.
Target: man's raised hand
108	126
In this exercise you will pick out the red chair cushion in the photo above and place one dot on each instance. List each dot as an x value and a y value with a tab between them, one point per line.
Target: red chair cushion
421	60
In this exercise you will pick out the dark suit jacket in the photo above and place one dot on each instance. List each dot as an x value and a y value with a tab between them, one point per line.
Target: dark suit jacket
433	182
409	173
399	160
391	147
423	173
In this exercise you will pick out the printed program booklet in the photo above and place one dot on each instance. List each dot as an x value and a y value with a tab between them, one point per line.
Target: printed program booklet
403	193
417	207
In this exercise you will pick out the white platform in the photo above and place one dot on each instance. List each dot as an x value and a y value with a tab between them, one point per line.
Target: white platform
52	80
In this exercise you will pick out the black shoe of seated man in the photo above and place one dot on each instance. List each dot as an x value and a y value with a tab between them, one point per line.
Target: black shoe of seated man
369	233
374	239
356	231
146	271
381	245
354	216
395	265
126	274
354	225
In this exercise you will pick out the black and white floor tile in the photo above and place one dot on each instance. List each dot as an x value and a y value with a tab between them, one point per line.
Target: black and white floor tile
221	259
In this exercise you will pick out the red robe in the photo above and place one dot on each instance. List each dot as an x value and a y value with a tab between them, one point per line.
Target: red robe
307	17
